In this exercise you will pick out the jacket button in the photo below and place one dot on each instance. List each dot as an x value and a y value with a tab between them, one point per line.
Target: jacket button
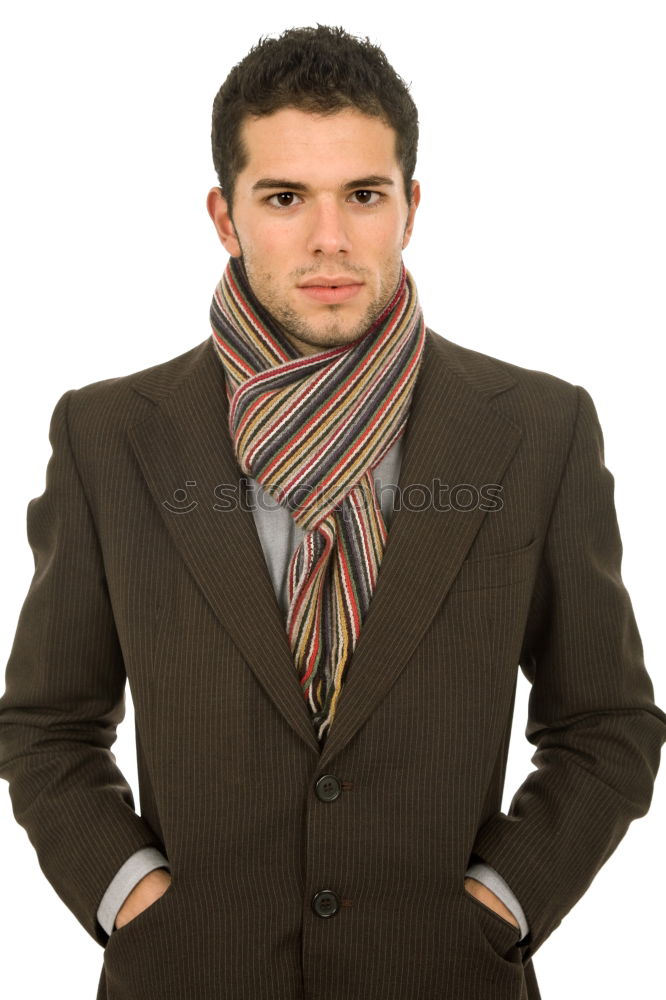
325	903
327	788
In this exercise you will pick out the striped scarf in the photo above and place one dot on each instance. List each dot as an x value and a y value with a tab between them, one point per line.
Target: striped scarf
310	430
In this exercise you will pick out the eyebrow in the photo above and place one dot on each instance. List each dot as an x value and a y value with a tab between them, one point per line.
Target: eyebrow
374	180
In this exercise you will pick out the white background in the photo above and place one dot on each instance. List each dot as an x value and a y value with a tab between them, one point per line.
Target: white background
539	240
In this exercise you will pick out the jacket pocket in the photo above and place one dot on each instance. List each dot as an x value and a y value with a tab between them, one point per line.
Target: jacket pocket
501	933
498	570
143	917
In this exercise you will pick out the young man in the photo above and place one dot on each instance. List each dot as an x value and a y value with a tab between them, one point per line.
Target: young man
323	669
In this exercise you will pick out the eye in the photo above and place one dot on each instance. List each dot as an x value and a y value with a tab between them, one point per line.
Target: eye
282	200
367	197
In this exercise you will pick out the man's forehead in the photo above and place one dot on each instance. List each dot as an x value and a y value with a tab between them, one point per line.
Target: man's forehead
346	143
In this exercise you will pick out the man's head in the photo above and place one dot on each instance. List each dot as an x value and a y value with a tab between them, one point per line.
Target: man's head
314	143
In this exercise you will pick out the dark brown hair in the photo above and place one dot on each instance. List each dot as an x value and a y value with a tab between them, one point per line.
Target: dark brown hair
323	70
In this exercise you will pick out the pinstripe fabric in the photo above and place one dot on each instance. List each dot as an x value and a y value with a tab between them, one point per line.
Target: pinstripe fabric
311	430
149	568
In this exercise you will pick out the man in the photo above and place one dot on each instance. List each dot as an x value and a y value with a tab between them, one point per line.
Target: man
318	546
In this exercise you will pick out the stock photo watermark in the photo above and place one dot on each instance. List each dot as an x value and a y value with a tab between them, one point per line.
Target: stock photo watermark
439	496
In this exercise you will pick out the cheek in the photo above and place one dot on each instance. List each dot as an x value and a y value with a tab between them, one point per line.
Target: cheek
266	244
261	248
381	236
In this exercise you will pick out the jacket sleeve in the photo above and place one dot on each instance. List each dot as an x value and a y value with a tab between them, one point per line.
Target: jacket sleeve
592	717
64	697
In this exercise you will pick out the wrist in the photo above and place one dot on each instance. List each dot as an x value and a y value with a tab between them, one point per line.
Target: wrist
145	892
489	899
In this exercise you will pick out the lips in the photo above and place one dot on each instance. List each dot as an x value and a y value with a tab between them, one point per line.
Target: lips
330	290
329	281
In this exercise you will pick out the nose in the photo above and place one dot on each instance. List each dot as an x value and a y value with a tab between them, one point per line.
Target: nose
327	232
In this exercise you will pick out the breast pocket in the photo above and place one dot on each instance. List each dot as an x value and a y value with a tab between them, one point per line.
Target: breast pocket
498	570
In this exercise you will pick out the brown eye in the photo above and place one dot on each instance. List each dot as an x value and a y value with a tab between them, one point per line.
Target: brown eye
365	197
283	200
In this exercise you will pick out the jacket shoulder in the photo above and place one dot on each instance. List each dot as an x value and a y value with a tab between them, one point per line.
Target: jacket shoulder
536	401
120	401
486	372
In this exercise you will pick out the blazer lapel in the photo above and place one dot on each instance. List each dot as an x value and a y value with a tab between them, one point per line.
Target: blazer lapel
184	445
454	435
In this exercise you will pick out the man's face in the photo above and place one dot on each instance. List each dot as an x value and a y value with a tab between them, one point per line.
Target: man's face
320	220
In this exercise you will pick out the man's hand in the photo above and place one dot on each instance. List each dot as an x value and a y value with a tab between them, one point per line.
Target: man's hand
488	897
150	888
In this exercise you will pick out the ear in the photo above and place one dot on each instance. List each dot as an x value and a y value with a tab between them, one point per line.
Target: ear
409	226
218	210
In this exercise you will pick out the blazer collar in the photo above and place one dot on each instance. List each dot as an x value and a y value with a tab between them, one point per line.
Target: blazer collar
454	435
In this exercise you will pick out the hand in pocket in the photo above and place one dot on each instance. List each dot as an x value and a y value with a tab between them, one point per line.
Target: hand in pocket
144	894
489	899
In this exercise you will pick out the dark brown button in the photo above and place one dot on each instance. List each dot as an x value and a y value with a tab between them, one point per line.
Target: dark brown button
325	903
328	788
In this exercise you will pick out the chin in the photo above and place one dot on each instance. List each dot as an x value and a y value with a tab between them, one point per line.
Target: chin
336	338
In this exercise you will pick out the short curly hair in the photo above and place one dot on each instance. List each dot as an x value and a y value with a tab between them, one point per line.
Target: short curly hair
320	69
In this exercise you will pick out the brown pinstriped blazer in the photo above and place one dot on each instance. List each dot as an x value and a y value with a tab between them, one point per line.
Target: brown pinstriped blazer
170	590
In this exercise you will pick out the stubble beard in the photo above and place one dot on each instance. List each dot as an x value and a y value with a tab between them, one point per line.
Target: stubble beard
334	333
